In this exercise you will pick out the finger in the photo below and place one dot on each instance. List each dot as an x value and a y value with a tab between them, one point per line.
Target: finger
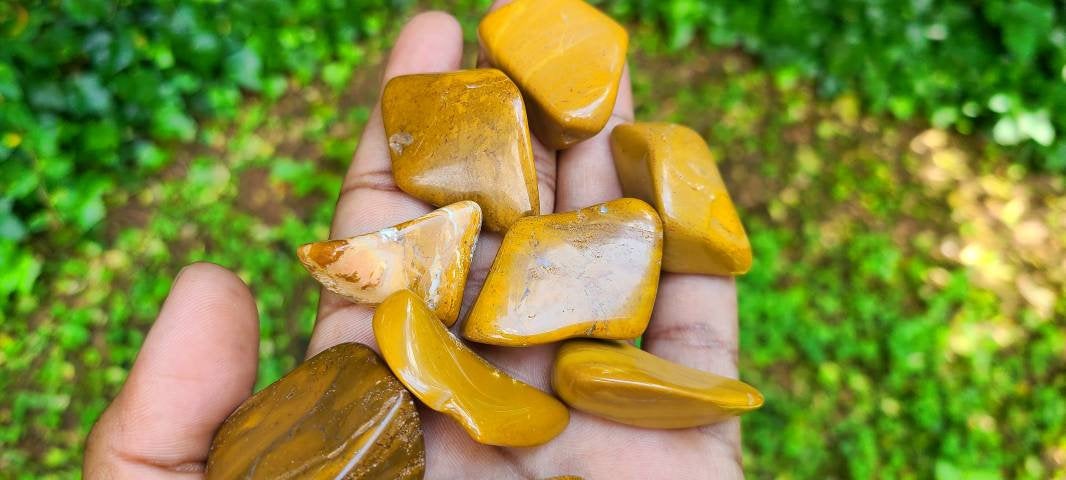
694	323
197	365
700	331
369	199
586	170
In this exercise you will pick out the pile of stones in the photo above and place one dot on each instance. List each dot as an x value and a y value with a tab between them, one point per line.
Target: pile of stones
587	278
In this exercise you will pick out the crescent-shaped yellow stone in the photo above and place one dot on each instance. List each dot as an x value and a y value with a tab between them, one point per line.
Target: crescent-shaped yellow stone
493	407
620	382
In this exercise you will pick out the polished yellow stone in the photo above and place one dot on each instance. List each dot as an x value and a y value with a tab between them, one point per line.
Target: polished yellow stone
340	414
670	166
462	136
623	383
566	56
588	273
493	407
429	255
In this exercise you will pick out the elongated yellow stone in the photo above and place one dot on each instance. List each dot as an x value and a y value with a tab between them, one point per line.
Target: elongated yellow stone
493	407
587	273
623	383
340	414
429	255
670	167
462	136
566	57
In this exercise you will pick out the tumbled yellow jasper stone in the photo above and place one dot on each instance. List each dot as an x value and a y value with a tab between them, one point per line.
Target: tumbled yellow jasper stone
493	407
429	255
340	414
623	383
587	273
566	56
462	136
670	166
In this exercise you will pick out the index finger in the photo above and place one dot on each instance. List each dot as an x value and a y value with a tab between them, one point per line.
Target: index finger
369	199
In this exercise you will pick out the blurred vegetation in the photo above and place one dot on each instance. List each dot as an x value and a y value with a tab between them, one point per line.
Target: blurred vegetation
905	316
998	64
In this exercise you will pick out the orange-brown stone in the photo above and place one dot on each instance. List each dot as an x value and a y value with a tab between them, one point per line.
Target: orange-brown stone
566	56
671	167
588	273
340	414
462	136
429	255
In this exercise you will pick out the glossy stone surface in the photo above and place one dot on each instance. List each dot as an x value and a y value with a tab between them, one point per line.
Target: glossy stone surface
670	166
493	407
429	255
620	382
462	136
566	56
588	273
340	414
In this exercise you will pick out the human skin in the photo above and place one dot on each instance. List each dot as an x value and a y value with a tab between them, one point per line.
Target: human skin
198	362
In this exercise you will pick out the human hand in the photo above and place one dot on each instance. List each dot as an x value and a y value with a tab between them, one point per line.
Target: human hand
198	362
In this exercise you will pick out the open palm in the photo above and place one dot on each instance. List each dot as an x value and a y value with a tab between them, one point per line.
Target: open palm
199	360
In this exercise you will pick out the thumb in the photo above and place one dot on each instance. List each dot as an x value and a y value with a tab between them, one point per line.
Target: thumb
197	364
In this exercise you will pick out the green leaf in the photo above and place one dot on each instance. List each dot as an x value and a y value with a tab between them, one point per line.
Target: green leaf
11	227
1037	126
1006	131
274	86
90	96
171	123
947	471
336	74
82	204
1025	26
9	87
48	96
20	269
244	67
150	157
72	335
1001	103
944	117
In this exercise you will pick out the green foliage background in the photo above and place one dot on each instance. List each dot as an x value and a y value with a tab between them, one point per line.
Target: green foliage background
905	315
